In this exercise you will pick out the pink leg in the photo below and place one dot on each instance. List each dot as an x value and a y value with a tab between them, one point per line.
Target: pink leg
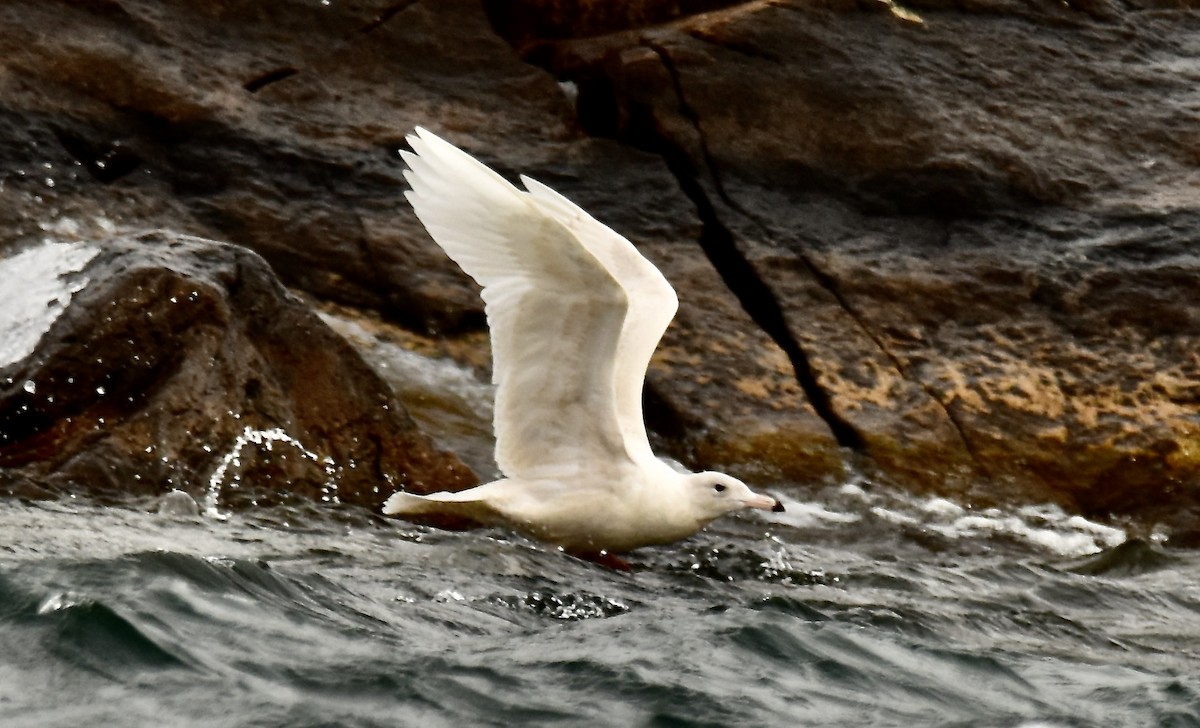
605	559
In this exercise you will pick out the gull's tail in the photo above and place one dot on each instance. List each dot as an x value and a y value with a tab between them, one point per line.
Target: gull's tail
445	510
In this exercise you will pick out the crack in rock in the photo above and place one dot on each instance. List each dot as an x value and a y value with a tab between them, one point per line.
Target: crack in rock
827	282
263	80
824	279
737	272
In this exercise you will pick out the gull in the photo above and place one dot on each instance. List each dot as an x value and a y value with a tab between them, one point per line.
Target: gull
575	313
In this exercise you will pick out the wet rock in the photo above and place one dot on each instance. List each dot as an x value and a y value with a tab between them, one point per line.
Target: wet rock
277	129
969	226
181	363
947	242
274	126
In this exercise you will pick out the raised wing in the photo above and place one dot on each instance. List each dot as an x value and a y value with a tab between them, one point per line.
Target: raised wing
555	312
652	305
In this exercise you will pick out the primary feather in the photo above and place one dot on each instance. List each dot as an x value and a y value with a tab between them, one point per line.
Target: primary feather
558	287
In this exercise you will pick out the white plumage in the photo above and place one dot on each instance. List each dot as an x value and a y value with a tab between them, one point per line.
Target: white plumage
575	313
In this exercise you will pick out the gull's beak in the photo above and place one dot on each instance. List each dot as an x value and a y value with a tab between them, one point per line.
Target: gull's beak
764	502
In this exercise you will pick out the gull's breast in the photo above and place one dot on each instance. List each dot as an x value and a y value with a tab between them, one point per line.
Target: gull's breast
599	518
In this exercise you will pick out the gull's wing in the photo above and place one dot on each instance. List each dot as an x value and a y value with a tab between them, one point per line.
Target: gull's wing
652	305
554	310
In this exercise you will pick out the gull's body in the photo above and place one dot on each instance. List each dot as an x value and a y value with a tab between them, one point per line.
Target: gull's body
575	313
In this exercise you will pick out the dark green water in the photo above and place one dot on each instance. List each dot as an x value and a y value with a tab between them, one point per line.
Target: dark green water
856	609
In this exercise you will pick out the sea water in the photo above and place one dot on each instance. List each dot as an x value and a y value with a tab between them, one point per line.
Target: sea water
859	606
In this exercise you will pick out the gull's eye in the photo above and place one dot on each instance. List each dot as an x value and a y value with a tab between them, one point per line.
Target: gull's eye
719	487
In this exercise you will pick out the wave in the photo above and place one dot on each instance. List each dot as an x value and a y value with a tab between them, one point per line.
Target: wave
839	616
860	504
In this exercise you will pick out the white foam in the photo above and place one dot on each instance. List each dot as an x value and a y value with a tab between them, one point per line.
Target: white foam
942	507
1044	526
855	490
419	376
895	516
60	601
35	287
810	515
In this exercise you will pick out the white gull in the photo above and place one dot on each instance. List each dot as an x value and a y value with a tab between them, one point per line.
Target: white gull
575	313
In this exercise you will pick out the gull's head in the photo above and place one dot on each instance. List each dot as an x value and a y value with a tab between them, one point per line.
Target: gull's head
715	494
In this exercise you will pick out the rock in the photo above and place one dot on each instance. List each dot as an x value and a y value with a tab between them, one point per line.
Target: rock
281	135
272	127
946	243
969	226
183	364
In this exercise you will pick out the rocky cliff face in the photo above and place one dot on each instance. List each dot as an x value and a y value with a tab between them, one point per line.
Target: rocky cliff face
948	243
969	227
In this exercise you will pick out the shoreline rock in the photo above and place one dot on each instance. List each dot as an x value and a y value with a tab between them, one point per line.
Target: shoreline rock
183	363
947	245
980	262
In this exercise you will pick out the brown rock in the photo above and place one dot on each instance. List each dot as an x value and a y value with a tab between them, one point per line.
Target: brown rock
953	238
970	232
270	125
277	130
185	364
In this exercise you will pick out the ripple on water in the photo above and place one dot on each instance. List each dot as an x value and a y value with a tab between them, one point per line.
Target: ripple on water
1131	558
789	605
90	634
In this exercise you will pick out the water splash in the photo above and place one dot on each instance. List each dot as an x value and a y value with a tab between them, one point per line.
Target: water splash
266	439
569	607
448	595
777	564
38	284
